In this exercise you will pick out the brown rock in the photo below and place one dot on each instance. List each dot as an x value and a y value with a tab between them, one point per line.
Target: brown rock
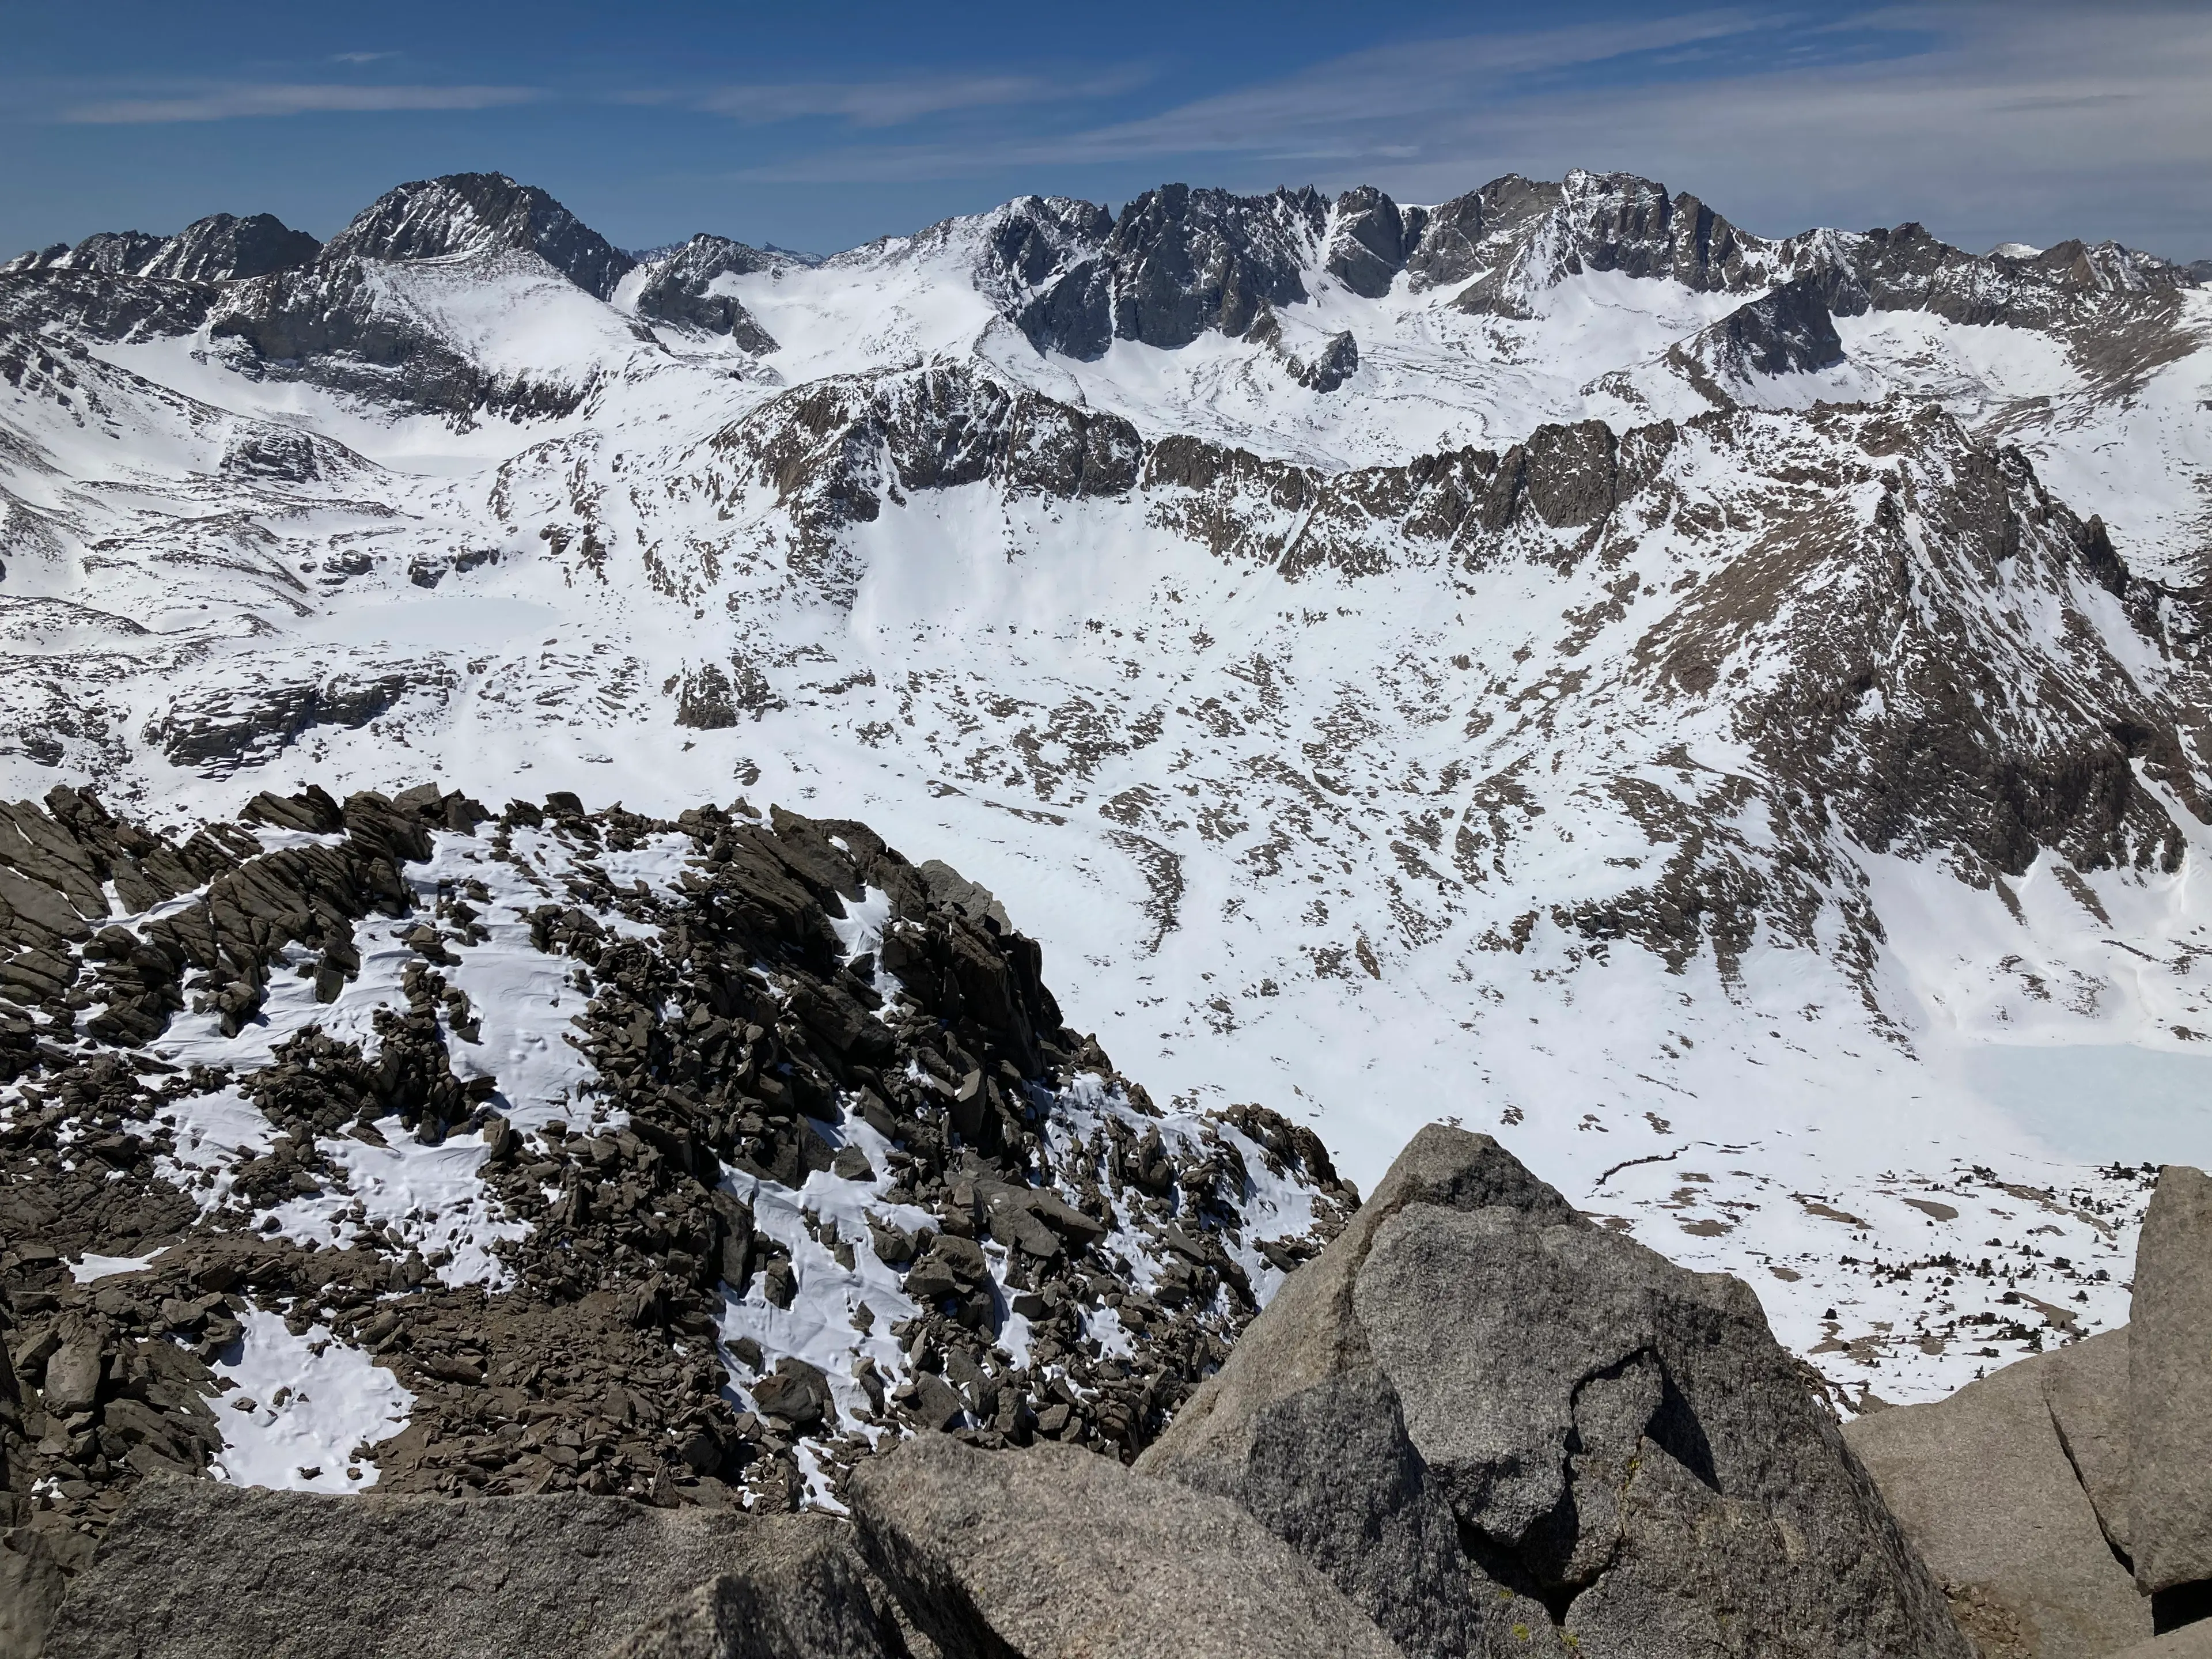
72	1381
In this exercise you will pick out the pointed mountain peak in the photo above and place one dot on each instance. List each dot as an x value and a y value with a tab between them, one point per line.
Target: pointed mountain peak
468	212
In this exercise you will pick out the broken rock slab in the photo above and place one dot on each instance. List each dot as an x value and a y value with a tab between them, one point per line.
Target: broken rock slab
2170	1387
2086	1386
1985	1488
1053	1552
1501	1430
199	1570
2189	1642
30	1586
804	1593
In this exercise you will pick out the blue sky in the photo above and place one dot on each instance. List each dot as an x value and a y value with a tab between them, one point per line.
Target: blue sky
819	126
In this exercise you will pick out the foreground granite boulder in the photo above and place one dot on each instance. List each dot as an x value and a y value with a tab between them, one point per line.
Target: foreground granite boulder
2065	1502
2170	1390
1057	1553
1990	1491
197	1570
2189	1642
1501	1430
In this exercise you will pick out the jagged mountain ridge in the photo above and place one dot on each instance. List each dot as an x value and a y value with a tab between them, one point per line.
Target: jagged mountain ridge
681	1160
1599	711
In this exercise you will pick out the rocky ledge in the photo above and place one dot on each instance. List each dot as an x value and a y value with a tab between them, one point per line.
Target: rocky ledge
393	1143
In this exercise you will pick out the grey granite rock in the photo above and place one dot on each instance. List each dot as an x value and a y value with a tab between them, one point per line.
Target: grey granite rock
31	1585
197	1570
2189	1642
1982	1483
1500	1429
2086	1387
2170	1385
804	1593
1057	1553
1304	1430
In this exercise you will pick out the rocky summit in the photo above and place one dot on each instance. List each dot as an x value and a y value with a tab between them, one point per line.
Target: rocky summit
578	826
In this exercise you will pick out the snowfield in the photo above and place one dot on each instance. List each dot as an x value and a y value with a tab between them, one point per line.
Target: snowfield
1602	824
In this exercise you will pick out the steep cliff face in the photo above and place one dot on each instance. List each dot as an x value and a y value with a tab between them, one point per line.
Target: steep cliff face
468	212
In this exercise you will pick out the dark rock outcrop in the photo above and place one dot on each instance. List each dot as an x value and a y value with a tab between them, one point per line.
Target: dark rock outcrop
103	307
1790	330
1040	264
678	283
1177	263
220	248
330	324
1186	260
224	248
466	212
1368	248
117	253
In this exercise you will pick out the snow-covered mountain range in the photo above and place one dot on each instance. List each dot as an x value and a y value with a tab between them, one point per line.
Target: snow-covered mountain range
1727	715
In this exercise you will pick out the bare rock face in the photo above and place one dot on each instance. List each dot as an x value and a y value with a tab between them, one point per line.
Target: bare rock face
1549	1428
197	1570
2190	1642
1368	249
1790	330
2086	1387
30	1586
677	290
2170	1387
802	1593
1991	1492
464	212
1052	1553
223	247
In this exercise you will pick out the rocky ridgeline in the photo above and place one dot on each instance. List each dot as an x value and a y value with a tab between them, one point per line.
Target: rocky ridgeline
1476	1425
826	1165
1176	263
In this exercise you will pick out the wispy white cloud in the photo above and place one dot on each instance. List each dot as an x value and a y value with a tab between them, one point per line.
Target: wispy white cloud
2034	118
226	103
361	57
895	102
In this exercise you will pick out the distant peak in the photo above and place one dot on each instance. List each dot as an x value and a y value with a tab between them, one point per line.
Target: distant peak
466	212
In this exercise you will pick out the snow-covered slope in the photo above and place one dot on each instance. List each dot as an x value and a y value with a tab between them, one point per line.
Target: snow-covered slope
1726	715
